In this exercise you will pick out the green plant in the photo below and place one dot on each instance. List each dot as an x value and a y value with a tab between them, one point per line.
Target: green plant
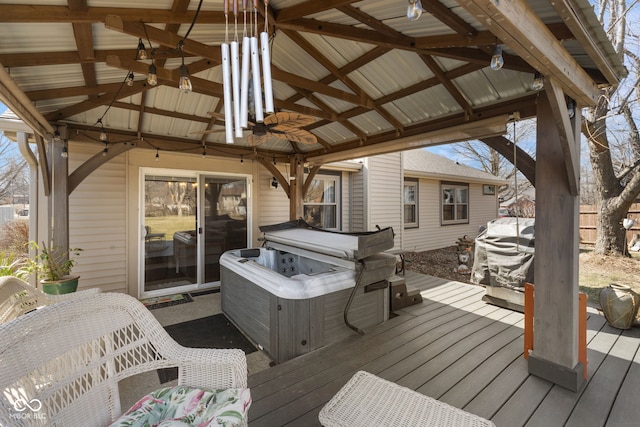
12	264
51	263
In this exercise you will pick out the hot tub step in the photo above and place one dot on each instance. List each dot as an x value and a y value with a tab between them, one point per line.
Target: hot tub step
401	296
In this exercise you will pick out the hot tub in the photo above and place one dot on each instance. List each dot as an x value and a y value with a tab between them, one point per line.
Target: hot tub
289	297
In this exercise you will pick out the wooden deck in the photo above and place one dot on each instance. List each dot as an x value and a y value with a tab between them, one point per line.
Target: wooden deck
458	349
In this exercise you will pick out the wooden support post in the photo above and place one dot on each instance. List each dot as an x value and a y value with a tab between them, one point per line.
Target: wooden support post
59	198
555	342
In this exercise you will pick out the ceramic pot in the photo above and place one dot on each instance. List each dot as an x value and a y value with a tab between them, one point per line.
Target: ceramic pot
63	286
620	305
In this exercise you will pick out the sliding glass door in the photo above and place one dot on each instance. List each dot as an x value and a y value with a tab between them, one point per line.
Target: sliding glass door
189	220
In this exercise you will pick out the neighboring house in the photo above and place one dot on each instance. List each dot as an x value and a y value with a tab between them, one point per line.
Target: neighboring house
522	205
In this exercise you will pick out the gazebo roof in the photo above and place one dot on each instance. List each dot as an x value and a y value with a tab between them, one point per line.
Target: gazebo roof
374	81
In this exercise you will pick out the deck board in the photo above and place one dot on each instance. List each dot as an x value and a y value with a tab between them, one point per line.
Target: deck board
458	349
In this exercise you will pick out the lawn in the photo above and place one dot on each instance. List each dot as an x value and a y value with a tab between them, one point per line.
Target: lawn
170	224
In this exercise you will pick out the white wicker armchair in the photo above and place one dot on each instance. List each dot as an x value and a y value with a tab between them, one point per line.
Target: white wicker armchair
17	297
61	364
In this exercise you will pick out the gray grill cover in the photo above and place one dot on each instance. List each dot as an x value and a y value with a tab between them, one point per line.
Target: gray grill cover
501	257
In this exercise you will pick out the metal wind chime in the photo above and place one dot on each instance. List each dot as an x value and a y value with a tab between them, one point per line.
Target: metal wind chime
235	75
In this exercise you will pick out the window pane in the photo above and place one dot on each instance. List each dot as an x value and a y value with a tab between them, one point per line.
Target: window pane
447	213
410	214
461	195
447	196
321	191
321	216
409	194
461	212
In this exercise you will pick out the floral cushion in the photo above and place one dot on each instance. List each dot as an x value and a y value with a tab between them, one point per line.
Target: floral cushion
187	406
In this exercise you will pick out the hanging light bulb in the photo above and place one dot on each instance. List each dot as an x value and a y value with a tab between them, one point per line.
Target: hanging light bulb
414	10
204	151
142	52
65	153
103	134
497	61
241	158
538	81
130	78
105	151
571	108
152	77
157	155
185	81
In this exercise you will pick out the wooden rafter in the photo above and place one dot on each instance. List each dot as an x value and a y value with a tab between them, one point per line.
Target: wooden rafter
524	162
569	141
518	26
309	7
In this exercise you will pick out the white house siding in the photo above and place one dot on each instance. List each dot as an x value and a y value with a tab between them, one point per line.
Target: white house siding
358	202
384	199
273	205
97	221
430	234
345	211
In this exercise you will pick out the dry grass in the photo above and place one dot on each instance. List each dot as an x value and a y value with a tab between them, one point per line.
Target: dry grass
596	271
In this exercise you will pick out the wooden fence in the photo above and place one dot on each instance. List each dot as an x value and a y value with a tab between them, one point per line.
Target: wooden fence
588	218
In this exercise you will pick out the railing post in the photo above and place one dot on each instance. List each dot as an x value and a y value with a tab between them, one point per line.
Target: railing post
582	325
582	331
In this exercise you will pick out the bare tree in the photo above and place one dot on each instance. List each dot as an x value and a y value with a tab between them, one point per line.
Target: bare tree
612	134
13	176
481	156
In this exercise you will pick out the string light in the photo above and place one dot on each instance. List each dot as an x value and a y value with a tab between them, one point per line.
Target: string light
157	155
152	77
414	10
142	52
241	158
497	61
185	81
571	108
538	81
65	153
105	150
204	151
103	134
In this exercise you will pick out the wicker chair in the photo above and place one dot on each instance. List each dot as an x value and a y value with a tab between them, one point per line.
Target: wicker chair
17	297
61	364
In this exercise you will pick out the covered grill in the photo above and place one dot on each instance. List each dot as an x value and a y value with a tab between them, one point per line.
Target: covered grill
307	287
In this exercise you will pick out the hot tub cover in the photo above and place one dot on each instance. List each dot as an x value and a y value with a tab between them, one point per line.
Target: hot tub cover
351	246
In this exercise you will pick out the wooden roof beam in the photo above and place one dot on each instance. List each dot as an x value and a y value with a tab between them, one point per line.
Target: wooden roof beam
575	21
14	98
309	7
518	26
62	14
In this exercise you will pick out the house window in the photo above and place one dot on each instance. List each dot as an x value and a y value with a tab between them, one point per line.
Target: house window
455	203
321	207
410	200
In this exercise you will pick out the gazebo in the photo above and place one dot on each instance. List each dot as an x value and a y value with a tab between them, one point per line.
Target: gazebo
374	78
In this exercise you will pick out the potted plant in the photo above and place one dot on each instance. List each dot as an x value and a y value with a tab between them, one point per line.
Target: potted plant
53	267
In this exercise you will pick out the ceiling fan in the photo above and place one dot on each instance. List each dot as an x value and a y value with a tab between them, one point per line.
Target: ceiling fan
283	125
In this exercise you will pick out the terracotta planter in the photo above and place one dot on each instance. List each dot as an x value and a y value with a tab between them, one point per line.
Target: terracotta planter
620	305
65	285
